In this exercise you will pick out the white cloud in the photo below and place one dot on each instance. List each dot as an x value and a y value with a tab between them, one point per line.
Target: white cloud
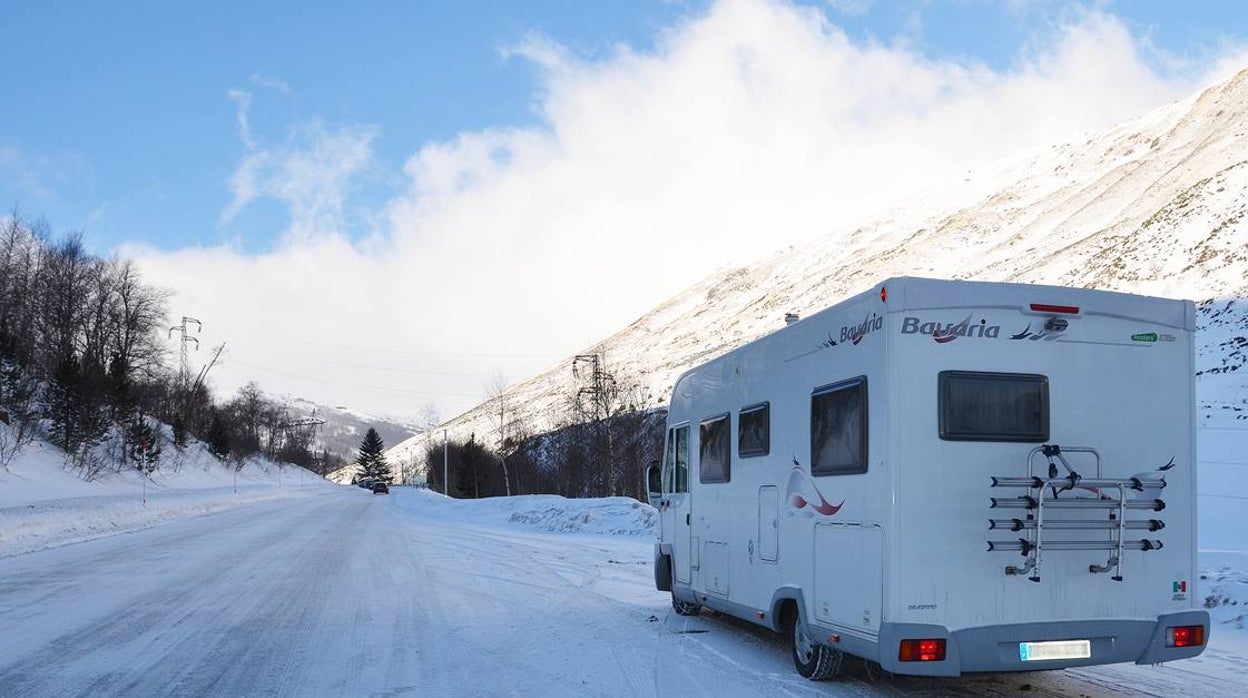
311	174
750	128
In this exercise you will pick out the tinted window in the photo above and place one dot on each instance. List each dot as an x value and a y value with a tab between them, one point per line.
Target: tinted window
682	459
676	462
669	461
978	406
715	445
838	428
754	431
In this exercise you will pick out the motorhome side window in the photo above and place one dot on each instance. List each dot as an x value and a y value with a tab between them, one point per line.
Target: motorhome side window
715	445
754	431
676	463
977	406
682	459
838	428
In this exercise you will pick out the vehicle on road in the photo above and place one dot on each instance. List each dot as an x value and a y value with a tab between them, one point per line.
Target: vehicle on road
381	488
945	477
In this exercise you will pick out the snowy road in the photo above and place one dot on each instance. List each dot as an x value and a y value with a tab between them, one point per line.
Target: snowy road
344	593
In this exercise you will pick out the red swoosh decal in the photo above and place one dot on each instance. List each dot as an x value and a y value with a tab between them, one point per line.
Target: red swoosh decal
827	509
799	480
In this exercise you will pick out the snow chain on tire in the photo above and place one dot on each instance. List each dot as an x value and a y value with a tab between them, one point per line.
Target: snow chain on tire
827	664
685	608
827	661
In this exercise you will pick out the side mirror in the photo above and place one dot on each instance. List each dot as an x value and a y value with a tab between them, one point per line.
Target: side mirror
654	484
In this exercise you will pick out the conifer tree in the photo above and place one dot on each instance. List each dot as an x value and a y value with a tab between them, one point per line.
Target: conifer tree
372	458
218	437
144	445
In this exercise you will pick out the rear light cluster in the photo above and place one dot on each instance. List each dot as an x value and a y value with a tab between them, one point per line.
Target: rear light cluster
1185	636
922	651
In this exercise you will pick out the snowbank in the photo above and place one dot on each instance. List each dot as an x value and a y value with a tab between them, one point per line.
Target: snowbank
43	505
1223	590
606	516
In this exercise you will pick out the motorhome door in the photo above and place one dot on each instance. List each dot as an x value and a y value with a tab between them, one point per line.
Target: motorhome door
675	511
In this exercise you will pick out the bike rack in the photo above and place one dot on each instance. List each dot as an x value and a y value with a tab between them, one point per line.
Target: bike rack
1045	493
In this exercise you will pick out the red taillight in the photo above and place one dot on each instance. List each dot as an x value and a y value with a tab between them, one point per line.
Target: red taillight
1057	309
1185	636
883	294
922	651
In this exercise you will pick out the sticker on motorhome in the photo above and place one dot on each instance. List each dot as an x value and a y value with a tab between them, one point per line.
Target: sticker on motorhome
1028	334
855	333
1179	590
802	493
944	333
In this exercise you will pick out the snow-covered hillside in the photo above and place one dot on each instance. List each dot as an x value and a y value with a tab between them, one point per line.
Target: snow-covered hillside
1154	206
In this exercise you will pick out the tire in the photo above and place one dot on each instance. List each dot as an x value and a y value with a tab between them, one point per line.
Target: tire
812	660
662	572
685	608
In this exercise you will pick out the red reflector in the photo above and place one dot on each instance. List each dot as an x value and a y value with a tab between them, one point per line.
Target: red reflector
922	651
1059	309
883	294
1185	636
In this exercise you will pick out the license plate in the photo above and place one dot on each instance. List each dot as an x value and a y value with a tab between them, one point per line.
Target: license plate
1059	649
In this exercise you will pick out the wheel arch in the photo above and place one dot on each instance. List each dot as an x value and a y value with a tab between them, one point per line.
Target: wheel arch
784	598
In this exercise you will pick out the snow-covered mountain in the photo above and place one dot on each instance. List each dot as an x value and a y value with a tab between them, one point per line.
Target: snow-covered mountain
344	428
1153	206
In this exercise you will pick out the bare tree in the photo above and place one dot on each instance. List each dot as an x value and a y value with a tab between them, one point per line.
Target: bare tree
136	313
501	413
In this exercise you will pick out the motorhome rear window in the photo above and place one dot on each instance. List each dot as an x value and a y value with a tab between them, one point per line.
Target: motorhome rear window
715	446
976	406
754	431
838	428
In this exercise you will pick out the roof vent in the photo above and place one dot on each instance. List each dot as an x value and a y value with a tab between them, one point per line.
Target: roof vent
790	318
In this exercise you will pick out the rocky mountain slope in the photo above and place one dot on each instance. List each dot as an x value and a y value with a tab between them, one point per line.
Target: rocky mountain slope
1153	206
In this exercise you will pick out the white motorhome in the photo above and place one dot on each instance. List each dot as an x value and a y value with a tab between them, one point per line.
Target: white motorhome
945	477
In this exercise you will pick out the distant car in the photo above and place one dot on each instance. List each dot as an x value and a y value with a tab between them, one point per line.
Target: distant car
380	488
366	484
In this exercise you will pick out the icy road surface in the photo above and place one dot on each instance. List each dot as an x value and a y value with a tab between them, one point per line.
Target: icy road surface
348	594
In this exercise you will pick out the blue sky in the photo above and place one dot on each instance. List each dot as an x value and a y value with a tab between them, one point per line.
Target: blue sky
124	127
119	122
421	187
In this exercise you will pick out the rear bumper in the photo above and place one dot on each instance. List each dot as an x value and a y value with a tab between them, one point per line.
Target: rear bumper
996	647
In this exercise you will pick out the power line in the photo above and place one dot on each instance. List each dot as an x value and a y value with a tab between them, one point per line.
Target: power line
406	352
1223	496
355	386
389	369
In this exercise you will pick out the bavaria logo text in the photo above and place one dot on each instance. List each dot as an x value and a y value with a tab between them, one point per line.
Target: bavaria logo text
857	332
947	332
